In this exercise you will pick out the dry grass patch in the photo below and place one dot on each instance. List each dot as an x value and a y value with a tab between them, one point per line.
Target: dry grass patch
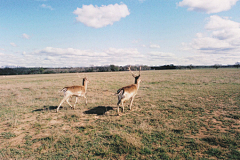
177	114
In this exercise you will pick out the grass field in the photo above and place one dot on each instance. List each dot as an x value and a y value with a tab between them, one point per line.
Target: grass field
177	114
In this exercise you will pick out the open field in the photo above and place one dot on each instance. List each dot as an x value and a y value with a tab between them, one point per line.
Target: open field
177	114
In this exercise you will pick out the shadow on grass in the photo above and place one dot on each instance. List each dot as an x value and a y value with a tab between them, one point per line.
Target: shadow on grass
99	110
45	108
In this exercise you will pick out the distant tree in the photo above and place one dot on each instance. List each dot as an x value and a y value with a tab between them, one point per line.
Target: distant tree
7	71
145	67
190	66
237	64
179	67
114	68
90	69
165	67
217	66
41	70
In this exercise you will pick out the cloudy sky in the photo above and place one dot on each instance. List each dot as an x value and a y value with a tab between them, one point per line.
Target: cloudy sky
77	33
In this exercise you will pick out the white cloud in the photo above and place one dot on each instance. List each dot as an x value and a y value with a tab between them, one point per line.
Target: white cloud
50	51
222	37
50	58
210	44
161	54
123	52
13	44
225	30
163	57
56	57
215	22
46	7
70	57
25	36
204	59
208	6
69	52
154	46
97	17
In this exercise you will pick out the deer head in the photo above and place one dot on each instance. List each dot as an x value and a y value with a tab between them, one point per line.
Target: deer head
134	75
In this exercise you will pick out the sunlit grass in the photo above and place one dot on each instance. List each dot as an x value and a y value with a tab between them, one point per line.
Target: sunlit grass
177	114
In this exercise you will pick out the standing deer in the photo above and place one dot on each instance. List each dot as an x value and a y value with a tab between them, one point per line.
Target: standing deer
129	92
77	91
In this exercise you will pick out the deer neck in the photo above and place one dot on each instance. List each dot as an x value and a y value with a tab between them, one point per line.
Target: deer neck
85	84
136	79
138	84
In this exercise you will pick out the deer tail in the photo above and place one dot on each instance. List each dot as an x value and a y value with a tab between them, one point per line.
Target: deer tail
120	93
64	89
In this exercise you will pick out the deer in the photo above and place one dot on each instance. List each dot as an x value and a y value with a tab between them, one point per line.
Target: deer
77	91
128	92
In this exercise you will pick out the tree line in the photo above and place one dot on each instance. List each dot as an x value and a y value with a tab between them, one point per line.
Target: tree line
41	70
109	68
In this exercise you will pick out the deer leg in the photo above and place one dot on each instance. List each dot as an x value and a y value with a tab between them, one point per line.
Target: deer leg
85	99
123	106
75	102
131	102
118	110
69	103
64	99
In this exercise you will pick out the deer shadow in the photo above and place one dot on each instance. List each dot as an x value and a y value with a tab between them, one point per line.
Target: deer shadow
99	110
46	108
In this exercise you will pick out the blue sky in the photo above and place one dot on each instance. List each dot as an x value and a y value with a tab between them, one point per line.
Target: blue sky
81	33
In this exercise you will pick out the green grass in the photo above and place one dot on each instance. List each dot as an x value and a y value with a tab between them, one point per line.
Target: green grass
178	114
7	135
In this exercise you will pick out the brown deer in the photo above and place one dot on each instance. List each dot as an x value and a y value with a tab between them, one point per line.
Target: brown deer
129	92
77	91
